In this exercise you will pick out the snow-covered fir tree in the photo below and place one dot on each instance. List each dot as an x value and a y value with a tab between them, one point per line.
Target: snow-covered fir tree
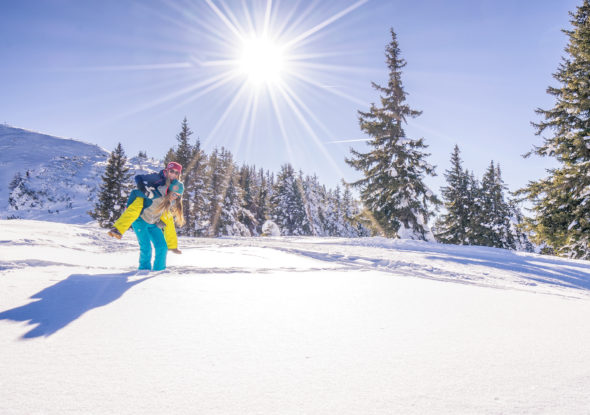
226	202
232	213
315	199
217	181
18	188
350	209
264	185
288	207
248	181
455	226
492	220
306	203
473	194
194	199
392	186
170	156
257	189
184	150
114	190
334	213
183	154
561	201
198	191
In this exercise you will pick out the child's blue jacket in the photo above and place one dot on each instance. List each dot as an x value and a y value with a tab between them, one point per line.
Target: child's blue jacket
153	181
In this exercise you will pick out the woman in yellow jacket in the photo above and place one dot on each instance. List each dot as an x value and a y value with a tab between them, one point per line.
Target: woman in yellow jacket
148	216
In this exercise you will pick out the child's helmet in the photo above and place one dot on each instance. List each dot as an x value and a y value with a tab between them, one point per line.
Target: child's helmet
176	187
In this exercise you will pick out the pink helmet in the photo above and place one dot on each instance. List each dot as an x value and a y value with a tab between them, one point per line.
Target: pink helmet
174	166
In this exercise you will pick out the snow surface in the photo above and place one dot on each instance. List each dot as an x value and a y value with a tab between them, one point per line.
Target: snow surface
287	326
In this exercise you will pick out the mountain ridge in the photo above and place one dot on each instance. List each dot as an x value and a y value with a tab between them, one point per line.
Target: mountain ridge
51	178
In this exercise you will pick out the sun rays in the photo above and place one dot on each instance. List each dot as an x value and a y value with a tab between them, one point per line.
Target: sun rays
259	65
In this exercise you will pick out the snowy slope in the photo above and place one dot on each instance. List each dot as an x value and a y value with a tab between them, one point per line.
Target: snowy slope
287	326
59	178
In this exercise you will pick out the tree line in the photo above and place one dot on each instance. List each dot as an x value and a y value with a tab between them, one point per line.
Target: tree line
479	212
224	199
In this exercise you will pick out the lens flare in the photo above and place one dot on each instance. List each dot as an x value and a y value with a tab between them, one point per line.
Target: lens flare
262	61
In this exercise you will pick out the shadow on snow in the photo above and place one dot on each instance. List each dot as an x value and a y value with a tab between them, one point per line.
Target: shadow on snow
532	270
62	303
550	271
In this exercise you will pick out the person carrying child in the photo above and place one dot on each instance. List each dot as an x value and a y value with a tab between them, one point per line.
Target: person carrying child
153	217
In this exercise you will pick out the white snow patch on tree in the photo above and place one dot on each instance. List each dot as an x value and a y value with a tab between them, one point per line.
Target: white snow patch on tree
269	228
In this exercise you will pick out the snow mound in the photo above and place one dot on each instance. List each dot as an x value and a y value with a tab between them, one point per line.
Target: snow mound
49	178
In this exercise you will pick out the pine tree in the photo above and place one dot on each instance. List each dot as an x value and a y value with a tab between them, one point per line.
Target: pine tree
194	198
493	212
184	150
472	232
170	156
349	212
392	188
216	180
453	227
184	154
262	199
232	211
15	189
251	188
288	210
504	211
306	204
226	197
16	181
196	188
114	190
334	215
315	199
561	201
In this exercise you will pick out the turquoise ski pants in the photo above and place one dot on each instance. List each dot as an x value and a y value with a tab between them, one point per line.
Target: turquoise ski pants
148	235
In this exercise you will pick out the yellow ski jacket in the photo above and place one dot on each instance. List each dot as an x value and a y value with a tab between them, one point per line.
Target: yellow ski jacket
133	211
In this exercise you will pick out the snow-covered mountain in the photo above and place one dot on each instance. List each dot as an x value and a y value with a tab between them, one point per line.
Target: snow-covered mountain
50	178
287	325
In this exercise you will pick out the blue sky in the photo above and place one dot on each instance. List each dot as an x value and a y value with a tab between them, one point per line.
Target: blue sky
130	71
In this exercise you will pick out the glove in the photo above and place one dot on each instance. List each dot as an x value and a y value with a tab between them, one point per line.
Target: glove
176	251
160	224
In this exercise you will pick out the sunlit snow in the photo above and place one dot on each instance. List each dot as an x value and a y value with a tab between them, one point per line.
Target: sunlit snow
287	326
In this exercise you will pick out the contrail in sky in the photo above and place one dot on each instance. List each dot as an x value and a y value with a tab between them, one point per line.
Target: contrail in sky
348	141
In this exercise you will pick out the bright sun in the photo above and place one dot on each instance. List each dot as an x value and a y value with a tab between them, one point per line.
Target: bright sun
262	61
